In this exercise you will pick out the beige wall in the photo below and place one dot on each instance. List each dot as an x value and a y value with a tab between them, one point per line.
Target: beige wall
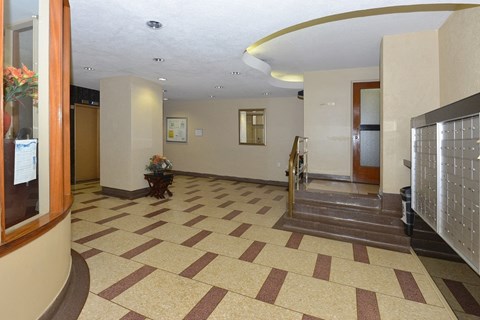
410	87
32	277
328	126
218	151
459	43
131	130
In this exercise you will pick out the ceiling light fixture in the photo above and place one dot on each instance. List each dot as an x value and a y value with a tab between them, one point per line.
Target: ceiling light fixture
218	87
158	59
162	79
235	73
213	97
88	68
154	24
165	99
266	93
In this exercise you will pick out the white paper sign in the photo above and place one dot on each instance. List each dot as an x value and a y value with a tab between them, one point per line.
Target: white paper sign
25	161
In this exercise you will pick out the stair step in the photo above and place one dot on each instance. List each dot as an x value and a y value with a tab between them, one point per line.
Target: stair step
393	239
315	212
400	244
340	199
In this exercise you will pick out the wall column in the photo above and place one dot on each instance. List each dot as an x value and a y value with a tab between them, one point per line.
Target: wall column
131	131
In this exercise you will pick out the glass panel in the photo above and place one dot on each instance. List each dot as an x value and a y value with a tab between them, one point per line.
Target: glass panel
20	110
370	148
252	126
370	110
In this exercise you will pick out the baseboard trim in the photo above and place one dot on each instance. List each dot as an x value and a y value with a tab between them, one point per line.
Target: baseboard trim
69	303
125	194
321	176
231	178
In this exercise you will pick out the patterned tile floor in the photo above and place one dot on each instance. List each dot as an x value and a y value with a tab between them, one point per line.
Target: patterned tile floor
209	252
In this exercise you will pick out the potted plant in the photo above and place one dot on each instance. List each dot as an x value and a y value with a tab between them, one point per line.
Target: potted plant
158	163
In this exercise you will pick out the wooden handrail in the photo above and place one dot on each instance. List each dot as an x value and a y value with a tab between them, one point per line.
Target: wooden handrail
293	166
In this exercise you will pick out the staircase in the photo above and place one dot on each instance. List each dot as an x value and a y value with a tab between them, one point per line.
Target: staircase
346	217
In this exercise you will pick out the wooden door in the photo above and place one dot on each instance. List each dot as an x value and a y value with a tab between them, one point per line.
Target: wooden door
87	156
366	132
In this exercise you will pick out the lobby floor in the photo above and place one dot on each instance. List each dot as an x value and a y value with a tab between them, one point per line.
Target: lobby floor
209	252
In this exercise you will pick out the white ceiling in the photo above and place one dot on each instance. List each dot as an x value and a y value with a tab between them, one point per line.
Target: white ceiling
202	42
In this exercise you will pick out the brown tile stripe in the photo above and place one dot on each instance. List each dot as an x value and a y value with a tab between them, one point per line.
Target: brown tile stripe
322	267
132	315
218	189
90	253
207	304
194	221
308	317
192	270
246	193
240	230
240	188
225	204
156	213
95	235
215	184
150	227
196	238
195	207
252	252
192	186
261	186
409	286
127	282
463	296
94	200
232	215
254	200
272	285
192	192
264	210
367	305
98	193
140	249
83	209
223	195
159	202
269	191
118	216
360	253
77	193
193	199
278	198
294	241
75	220
126	205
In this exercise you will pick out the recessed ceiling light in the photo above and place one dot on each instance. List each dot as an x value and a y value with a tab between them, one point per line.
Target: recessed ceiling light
158	59
165	99
213	97
154	24
266	93
235	73
218	87
162	79
88	68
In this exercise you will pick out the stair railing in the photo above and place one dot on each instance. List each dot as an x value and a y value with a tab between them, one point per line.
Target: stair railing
297	167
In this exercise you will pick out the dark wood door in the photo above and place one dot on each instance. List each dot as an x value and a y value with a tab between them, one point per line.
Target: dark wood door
366	132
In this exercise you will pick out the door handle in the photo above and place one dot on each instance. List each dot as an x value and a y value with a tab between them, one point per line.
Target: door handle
355	137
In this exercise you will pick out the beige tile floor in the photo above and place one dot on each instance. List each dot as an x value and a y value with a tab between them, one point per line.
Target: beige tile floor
209	252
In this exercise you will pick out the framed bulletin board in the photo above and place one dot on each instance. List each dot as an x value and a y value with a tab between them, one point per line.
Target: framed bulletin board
177	130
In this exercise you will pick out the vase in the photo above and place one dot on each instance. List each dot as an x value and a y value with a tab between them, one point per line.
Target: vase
7	121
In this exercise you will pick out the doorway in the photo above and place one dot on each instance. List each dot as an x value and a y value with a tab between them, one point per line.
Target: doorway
366	132
87	143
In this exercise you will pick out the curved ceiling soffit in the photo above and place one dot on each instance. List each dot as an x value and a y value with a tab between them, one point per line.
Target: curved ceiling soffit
295	81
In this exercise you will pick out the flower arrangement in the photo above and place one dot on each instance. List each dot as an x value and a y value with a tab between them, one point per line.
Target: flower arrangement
19	83
158	163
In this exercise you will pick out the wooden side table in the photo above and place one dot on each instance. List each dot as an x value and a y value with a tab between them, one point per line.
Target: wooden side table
159	184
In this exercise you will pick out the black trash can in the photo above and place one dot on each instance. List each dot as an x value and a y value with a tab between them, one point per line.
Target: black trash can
407	212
